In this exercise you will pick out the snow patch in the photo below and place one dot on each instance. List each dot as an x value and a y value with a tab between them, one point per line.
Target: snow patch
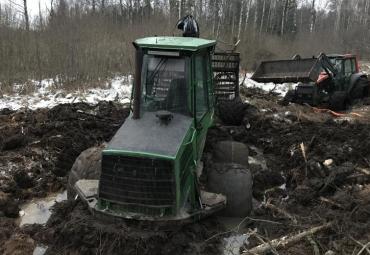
280	89
48	95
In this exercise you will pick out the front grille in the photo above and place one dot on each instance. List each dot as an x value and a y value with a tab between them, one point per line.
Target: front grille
138	182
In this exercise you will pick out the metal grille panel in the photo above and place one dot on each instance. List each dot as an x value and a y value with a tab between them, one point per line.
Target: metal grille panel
226	75
137	181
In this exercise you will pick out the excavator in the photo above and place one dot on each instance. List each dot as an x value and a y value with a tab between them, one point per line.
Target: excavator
332	81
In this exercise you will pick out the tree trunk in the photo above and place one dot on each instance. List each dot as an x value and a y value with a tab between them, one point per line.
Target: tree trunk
121	7
26	18
283	18
263	15
313	16
241	18
247	14
93	6
102	5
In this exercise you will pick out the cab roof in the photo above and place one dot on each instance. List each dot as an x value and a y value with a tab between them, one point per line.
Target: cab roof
174	43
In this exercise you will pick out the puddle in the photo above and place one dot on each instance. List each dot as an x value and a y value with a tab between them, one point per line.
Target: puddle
39	250
38	211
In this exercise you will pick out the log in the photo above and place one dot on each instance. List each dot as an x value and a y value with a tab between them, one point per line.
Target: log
286	240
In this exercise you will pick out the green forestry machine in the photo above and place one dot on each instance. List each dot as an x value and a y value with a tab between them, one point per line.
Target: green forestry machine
332	81
151	168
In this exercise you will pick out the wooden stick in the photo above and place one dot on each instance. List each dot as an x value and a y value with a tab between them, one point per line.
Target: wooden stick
364	248
331	202
363	170
316	249
360	244
281	211
286	240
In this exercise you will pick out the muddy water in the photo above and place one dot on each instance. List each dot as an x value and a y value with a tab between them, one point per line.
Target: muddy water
37	211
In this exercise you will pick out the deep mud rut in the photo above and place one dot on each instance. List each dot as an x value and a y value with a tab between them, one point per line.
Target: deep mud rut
309	165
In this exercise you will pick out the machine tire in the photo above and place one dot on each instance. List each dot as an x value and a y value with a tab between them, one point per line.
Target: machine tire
361	89
235	182
86	166
232	112
231	152
288	98
339	101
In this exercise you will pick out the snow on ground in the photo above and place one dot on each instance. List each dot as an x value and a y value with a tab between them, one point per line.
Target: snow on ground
280	89
46	96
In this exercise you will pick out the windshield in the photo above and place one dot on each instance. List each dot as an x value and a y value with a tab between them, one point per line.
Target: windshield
164	84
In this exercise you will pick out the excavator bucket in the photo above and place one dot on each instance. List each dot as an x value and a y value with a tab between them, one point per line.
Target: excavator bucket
281	71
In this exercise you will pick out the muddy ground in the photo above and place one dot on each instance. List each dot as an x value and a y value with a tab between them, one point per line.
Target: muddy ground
309	168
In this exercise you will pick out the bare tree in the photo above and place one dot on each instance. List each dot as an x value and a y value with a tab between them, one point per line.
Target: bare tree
313	16
25	13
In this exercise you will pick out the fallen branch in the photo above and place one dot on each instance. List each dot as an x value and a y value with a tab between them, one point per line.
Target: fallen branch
363	170
365	247
286	240
331	202
280	211
315	247
360	244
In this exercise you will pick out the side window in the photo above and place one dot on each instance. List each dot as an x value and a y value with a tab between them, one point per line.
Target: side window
353	63
348	70
201	103
209	80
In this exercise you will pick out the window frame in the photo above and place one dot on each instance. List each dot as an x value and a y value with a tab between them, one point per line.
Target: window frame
204	56
144	73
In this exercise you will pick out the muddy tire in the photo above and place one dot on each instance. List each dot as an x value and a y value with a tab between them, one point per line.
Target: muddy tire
231	152
86	166
232	112
235	182
288	98
339	101
361	89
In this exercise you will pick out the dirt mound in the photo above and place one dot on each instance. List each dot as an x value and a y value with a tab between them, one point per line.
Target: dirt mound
18	244
313	171
38	148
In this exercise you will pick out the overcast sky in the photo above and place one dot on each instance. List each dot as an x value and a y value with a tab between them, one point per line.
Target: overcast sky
33	5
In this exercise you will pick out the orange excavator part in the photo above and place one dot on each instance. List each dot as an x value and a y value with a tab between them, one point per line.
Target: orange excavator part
335	114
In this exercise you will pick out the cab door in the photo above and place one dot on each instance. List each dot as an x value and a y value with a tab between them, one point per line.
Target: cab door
203	114
349	68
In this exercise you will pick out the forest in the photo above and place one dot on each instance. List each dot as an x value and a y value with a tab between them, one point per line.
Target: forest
87	40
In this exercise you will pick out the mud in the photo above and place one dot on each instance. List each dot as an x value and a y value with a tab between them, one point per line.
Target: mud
311	165
75	231
38	148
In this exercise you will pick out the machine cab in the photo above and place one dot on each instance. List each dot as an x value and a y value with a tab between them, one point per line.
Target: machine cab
149	168
174	75
345	64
